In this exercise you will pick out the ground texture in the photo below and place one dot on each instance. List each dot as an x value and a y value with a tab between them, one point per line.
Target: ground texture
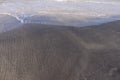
46	52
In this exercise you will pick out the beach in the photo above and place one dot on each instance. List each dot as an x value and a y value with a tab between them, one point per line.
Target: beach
49	52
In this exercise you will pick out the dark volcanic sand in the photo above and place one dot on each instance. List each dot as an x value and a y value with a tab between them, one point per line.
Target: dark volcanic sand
45	52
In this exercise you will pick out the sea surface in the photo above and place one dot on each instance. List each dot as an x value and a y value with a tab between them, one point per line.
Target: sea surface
62	12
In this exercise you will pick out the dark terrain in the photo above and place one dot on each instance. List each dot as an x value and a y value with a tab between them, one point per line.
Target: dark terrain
46	52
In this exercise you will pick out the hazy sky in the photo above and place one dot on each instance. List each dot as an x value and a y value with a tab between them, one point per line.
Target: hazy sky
58	0
62	11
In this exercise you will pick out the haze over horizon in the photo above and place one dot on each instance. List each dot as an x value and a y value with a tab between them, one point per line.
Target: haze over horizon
59	40
61	0
82	12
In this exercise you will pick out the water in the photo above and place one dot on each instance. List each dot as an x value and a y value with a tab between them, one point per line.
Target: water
62	12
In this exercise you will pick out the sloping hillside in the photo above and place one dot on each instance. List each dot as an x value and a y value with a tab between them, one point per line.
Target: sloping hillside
46	52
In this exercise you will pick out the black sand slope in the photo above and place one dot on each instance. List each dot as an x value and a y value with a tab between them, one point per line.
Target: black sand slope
45	52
